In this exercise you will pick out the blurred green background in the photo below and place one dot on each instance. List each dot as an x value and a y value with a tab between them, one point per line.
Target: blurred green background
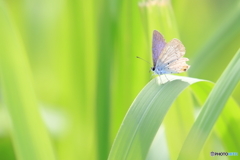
69	70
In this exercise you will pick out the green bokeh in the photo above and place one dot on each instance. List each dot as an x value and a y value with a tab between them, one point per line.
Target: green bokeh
74	62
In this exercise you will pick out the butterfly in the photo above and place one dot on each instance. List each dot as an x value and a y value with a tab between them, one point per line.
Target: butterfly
168	57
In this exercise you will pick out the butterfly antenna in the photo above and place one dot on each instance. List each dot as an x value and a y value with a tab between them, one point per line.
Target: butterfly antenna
144	60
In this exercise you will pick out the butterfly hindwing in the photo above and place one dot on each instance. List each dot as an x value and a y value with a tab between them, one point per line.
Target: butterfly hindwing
177	66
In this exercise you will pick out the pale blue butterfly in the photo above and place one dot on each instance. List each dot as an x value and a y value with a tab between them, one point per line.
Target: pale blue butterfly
167	57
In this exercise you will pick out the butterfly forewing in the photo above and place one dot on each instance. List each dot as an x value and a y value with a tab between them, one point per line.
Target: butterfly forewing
158	43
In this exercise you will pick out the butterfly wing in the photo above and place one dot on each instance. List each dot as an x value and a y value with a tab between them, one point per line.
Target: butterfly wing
158	43
177	66
170	60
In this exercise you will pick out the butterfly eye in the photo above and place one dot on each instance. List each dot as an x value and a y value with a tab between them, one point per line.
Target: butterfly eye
153	68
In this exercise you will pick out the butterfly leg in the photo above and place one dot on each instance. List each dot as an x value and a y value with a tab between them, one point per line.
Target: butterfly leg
166	78
160	79
152	75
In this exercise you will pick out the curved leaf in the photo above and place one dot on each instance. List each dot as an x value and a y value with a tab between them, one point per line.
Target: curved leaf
211	110
145	116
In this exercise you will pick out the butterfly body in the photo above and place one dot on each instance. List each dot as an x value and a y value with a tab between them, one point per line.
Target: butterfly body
168	57
159	71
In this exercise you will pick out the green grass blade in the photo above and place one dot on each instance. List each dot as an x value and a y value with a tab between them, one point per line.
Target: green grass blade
126	65
178	122
158	15
225	127
145	116
29	135
106	29
211	110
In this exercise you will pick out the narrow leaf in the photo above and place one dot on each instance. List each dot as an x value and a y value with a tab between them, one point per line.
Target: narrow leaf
211	110
145	116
